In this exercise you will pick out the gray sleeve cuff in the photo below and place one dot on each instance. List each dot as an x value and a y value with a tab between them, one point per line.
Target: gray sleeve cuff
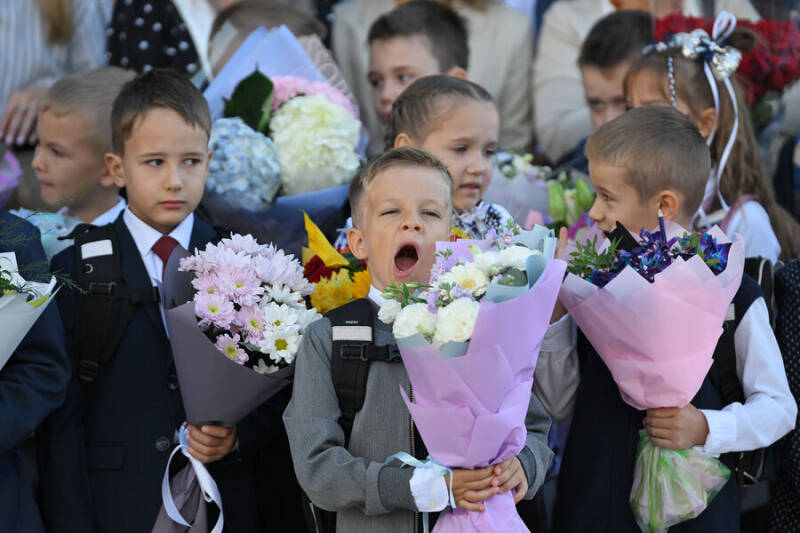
394	486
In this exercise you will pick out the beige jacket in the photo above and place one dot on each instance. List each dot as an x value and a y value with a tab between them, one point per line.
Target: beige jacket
501	60
559	105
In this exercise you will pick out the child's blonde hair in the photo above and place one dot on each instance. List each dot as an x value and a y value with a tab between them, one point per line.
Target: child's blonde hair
659	148
89	94
419	107
393	158
744	173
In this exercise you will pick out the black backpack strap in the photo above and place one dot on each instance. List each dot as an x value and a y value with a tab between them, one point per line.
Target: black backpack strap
353	350
105	305
749	466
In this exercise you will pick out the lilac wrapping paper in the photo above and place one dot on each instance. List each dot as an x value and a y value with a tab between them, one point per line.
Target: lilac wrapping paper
471	409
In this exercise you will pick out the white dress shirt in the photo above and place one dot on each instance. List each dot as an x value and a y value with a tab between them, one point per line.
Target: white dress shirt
111	215
769	410
145	236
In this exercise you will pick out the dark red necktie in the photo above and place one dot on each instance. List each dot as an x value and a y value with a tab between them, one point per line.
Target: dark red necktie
163	249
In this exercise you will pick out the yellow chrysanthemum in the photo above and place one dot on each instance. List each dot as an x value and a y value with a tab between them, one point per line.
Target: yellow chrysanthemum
458	233
332	292
361	281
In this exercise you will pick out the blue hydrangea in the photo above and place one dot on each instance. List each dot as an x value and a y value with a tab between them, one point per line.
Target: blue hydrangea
244	166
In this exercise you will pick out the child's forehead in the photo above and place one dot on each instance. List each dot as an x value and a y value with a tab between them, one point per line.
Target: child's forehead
161	123
407	49
413	182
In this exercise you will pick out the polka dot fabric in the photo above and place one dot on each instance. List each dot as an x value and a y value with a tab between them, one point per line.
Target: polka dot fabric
148	34
786	498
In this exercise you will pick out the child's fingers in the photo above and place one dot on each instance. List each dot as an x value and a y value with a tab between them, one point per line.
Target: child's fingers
505	475
562	242
483	475
221	432
513	482
660	433
210	441
666	412
464	504
664	443
478	496
204	458
522	489
659	423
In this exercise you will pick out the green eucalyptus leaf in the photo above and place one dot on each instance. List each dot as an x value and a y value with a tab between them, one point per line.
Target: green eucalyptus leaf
251	101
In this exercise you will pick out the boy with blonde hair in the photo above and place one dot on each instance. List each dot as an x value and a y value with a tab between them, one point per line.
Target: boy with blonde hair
74	130
339	441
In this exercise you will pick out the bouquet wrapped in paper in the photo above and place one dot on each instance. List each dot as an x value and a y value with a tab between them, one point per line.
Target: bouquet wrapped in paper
21	304
469	342
653	310
235	325
537	195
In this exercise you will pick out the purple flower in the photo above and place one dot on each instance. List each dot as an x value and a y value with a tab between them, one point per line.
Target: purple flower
230	347
214	310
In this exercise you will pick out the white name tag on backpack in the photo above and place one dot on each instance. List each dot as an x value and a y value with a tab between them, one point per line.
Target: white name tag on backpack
96	249
351	333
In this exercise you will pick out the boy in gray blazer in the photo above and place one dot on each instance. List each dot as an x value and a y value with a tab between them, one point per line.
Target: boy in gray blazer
401	207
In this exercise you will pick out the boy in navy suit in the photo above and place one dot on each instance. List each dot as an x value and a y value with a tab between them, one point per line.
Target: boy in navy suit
107	447
32	383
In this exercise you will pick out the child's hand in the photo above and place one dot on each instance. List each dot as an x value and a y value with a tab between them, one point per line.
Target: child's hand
211	443
676	428
561	244
510	475
559	310
471	487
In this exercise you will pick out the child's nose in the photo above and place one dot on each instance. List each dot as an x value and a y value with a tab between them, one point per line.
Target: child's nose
38	160
596	213
173	178
412	223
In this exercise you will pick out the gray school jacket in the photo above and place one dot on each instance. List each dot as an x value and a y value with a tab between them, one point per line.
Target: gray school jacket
367	495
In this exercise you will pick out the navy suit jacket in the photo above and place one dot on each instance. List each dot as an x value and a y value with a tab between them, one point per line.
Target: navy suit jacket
32	383
104	454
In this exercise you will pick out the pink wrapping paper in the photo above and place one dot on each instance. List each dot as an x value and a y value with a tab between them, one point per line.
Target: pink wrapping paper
657	339
470	410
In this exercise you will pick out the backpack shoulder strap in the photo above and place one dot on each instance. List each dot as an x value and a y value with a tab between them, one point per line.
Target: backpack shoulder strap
105	305
723	371
353	350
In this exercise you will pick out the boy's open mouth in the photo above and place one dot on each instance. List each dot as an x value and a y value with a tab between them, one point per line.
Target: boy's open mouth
406	259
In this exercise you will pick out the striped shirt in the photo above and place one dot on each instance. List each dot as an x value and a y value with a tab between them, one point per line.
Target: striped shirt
26	57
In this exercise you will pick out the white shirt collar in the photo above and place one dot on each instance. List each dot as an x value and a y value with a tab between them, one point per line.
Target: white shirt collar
111	215
376	296
145	236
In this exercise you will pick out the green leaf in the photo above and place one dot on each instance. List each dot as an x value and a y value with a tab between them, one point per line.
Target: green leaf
251	101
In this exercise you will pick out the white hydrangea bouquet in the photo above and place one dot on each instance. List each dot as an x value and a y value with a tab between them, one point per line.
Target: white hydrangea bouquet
312	127
469	341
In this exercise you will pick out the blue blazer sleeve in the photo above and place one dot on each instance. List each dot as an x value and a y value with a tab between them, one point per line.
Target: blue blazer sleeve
65	496
34	380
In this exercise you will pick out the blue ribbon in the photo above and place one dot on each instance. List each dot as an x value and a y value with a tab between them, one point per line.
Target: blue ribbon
207	485
409	460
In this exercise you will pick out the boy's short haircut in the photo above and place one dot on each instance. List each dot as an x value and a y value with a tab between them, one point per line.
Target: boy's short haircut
443	28
615	38
396	157
660	148
91	95
159	88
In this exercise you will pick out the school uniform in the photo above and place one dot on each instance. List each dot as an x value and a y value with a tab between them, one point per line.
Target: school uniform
32	383
351	479
106	449
597	471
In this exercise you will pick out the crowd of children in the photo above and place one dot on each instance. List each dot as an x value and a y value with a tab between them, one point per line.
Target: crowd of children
127	155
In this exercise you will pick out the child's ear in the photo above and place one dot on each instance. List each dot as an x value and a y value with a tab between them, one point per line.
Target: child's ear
356	242
107	179
208	159
403	140
670	204
114	168
457	72
707	121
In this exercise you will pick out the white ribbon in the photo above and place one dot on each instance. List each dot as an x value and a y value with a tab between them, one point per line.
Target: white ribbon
207	485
